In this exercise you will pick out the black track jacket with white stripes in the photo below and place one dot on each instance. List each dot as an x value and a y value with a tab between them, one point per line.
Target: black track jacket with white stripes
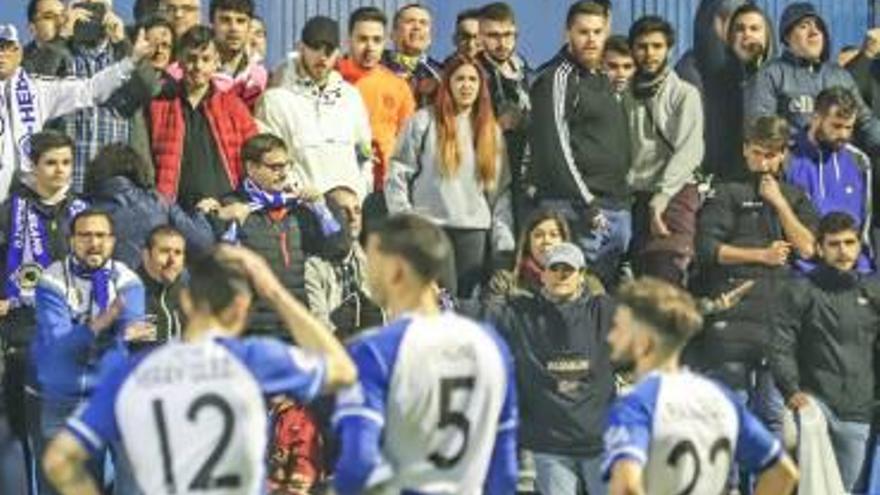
579	135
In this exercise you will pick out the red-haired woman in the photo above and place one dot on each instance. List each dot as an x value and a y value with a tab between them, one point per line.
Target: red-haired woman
450	166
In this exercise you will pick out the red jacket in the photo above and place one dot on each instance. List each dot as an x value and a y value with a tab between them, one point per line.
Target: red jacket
231	124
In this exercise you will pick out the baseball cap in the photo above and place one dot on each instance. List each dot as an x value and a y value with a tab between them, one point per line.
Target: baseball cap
321	31
8	33
565	253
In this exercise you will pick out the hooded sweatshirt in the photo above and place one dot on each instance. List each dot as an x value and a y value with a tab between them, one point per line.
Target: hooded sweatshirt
788	85
834	180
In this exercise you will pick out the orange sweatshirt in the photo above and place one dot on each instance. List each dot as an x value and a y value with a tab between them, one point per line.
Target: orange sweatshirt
389	102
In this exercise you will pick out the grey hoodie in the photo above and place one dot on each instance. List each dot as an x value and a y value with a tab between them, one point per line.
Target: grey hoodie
788	86
415	184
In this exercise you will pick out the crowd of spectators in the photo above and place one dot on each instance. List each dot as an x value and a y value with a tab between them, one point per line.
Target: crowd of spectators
742	172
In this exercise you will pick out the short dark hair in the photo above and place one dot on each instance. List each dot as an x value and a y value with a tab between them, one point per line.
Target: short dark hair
837	98
618	44
401	10
258	145
668	310
245	7
214	283
143	9
48	140
467	14
92	213
836	222
498	12
194	38
164	230
32	10
421	243
117	160
366	14
154	21
586	7
769	131
652	24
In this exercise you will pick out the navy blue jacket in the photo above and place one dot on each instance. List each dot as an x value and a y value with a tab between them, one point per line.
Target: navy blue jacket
137	211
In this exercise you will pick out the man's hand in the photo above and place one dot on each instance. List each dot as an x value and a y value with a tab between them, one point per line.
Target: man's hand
106	319
510	119
237	212
143	48
208	205
731	298
777	253
798	401
658	226
5	306
71	17
599	222
254	267
871	46
114	27
141	331
771	192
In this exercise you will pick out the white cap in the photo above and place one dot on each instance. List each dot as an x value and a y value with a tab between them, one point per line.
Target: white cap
8	33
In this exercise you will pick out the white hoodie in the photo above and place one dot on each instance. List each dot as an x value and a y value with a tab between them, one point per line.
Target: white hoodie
327	130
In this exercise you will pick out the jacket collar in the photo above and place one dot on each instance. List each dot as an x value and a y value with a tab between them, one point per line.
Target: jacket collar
793	59
153	285
831	278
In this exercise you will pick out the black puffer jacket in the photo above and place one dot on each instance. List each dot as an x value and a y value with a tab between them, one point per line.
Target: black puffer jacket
825	338
564	375
285	241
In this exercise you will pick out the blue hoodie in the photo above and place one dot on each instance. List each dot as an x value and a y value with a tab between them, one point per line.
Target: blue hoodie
834	180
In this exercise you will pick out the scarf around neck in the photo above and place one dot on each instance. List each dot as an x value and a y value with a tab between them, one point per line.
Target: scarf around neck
99	277
29	250
259	200
647	85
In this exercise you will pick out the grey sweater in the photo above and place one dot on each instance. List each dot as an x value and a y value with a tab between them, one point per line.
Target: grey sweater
414	182
677	112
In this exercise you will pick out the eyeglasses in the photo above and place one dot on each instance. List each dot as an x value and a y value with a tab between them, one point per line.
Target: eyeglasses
277	167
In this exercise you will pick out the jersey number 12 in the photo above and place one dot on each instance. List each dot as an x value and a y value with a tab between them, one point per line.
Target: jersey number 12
204	479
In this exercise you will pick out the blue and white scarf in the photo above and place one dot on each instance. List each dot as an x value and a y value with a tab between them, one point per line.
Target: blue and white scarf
101	278
29	251
19	119
259	199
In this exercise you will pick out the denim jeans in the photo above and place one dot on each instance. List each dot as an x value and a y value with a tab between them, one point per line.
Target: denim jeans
603	248
849	439
762	398
562	475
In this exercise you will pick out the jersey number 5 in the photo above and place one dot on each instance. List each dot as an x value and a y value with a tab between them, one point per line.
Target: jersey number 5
453	419
204	479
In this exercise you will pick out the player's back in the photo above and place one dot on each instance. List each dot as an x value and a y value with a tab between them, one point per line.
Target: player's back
686	431
192	419
447	398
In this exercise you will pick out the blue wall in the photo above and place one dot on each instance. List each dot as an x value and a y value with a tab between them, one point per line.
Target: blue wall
540	20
